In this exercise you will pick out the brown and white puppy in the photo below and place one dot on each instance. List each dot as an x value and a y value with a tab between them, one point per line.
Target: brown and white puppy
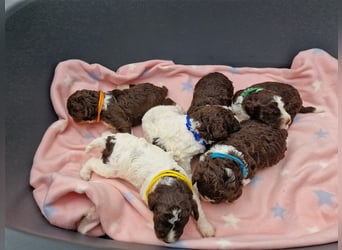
228	165
185	136
273	103
212	89
169	197
121	109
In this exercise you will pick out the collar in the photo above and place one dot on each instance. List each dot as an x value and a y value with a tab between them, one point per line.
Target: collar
195	134
234	158
99	105
248	91
167	173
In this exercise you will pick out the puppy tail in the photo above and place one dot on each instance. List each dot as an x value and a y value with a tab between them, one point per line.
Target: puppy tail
97	143
310	110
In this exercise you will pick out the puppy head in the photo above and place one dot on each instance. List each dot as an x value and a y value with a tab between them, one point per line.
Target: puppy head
172	207
82	105
218	179
268	108
215	122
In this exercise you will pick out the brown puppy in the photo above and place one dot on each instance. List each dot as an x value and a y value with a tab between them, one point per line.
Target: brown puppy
273	103
229	164
212	89
121	109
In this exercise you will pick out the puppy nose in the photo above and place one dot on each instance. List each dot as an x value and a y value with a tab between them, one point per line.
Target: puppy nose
285	123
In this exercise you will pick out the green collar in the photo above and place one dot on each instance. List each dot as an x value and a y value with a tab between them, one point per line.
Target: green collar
250	90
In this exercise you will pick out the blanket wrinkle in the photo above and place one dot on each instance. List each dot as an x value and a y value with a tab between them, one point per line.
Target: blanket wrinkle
291	204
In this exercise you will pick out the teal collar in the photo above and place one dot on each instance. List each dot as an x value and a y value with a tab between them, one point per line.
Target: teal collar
250	90
234	158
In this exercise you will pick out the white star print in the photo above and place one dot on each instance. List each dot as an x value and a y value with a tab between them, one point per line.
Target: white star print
284	172
316	85
323	165
313	229
164	67
132	67
222	243
80	189
231	221
60	126
68	81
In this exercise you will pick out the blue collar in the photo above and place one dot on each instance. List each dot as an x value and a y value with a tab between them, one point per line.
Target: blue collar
234	158
195	134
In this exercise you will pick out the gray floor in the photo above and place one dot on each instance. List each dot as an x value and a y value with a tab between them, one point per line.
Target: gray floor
15	240
10	3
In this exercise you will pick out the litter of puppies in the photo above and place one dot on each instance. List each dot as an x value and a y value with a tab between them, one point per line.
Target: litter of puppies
235	135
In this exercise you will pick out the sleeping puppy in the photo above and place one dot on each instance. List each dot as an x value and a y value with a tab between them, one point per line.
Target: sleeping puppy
228	165
212	89
162	184
120	109
185	136
273	103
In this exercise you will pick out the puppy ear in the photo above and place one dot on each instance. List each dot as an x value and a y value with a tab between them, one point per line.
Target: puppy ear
152	201
195	209
252	107
237	94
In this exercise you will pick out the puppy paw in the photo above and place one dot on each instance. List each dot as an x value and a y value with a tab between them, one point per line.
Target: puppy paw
207	229
85	172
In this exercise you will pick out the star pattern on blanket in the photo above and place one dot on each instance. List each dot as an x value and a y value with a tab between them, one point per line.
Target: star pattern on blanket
233	70
313	229
145	72
278	211
88	136
324	198
68	81
255	180
95	76
318	51
323	165
132	66
231	221
187	86
60	125
297	119
178	244
48	210
321	134
129	196
223	243
316	85
285	172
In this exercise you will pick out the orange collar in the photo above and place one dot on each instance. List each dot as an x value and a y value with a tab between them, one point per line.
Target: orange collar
99	106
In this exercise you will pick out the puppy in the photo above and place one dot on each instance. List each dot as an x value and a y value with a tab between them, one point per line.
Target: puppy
212	89
273	103
228	165
120	109
163	185
185	136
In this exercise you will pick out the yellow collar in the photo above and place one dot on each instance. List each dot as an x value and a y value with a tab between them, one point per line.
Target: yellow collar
167	173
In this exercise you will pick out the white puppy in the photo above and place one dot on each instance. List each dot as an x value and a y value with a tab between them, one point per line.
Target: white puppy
185	136
163	185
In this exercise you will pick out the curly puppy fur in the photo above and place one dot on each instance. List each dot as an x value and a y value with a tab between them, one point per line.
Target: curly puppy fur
212	89
137	161
165	126
121	110
256	144
277	104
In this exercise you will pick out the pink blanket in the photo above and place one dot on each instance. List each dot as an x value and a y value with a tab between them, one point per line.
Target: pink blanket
291	204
